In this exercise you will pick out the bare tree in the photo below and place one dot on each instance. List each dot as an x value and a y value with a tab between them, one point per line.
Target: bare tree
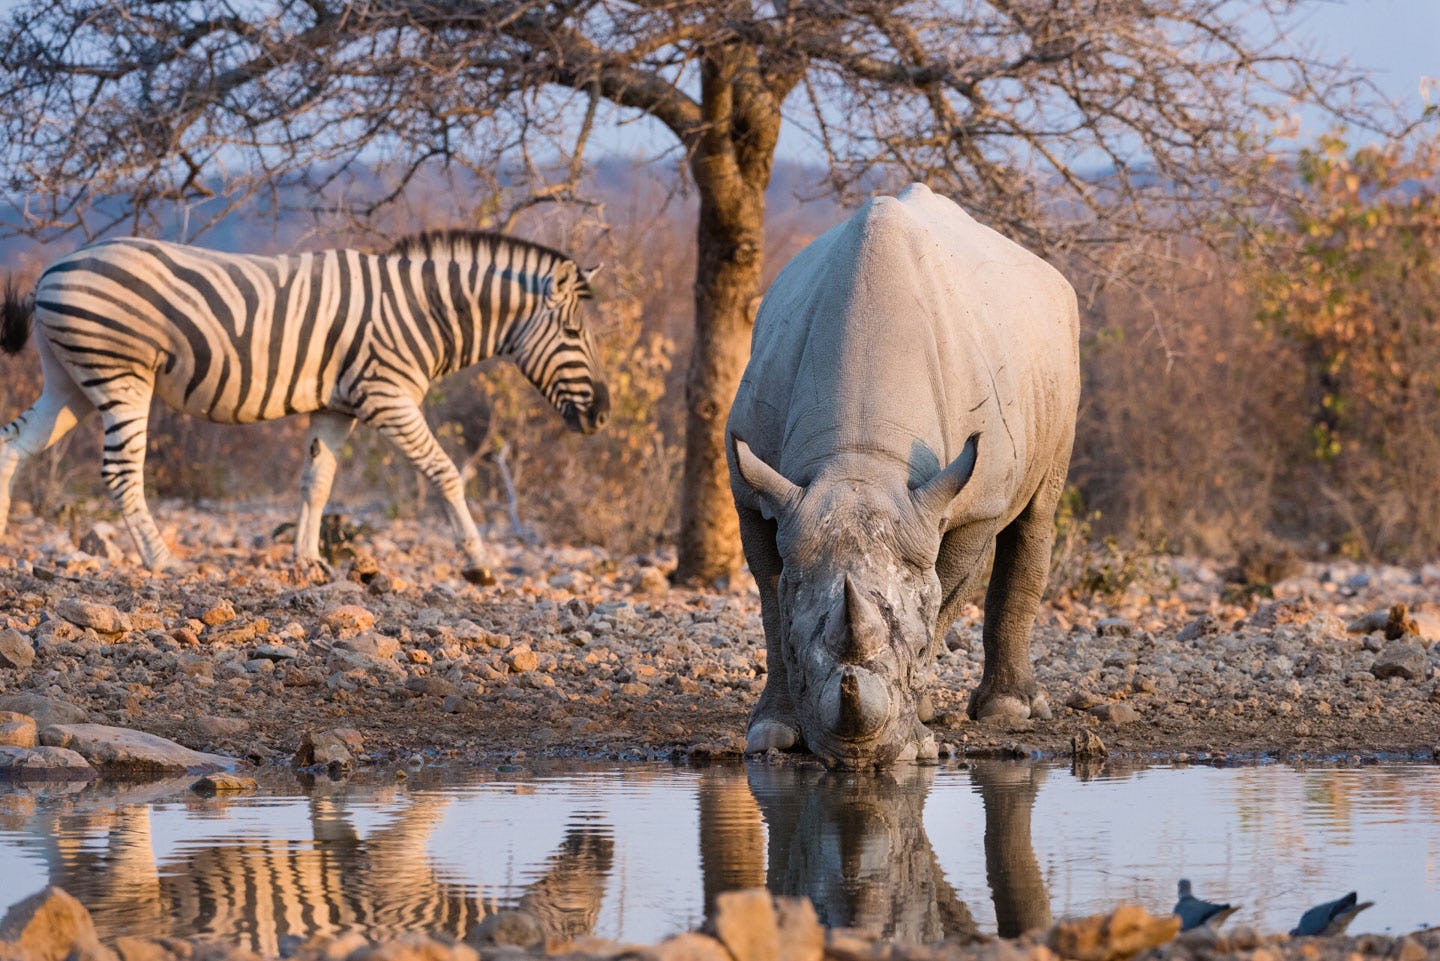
1058	121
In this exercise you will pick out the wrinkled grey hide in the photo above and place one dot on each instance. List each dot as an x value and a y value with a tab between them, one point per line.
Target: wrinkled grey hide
910	398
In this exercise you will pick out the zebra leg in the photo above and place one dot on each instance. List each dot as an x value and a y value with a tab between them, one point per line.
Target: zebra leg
328	431
60	407
401	421
123	470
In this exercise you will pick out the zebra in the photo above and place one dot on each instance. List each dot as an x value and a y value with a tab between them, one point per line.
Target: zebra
343	335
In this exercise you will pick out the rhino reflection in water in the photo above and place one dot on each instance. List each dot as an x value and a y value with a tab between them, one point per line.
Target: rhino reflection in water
255	891
856	846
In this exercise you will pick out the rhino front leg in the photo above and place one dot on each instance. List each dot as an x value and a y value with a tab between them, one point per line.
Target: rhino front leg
1017	581
773	723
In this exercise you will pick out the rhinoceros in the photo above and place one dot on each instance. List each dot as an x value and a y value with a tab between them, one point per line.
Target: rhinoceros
910	399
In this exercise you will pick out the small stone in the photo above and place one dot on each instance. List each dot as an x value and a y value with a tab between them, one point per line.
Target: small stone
746	923
1369	622
276	652
51	926
650	581
100	541
1116	712
522	659
101	618
371	644
1401	659
223	784
1114	627
16	730
1202	626
1082	700
1123	933
349	618
417	656
519	929
16	651
435	686
338	746
220	727
210	611
802	938
690	946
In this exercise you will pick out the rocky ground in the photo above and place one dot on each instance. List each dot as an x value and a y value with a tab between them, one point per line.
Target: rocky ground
576	652
746	926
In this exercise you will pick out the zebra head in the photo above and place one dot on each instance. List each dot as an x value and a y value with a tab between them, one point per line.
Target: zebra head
555	351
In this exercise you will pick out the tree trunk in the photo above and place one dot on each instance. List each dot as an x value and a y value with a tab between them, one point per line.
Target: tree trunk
731	164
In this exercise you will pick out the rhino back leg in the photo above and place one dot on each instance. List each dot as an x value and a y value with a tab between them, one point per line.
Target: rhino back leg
1017	581
773	723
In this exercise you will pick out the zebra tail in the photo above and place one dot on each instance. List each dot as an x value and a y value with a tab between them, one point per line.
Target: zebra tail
15	314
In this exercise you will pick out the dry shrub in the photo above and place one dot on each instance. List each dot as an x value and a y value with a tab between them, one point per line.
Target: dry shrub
1189	428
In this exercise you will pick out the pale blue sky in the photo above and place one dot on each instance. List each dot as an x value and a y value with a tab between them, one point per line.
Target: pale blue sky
1399	40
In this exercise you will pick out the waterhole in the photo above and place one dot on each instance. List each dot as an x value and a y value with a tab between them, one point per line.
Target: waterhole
637	852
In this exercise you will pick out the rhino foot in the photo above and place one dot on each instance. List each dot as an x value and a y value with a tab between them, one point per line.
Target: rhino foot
767	733
1000	706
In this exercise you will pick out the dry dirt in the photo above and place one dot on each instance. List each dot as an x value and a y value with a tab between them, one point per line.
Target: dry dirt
575	652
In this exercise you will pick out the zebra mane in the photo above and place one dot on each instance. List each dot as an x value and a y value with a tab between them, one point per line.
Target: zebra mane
463	244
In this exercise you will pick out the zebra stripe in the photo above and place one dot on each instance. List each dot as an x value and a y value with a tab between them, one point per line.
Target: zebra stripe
339	334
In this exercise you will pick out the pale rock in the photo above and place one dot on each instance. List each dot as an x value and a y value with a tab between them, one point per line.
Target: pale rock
1401	659
17	730
123	751
1123	933
349	619
102	541
746	923
802	938
16	650
44	764
101	618
371	644
219	727
51	926
690	946
416	946
224	784
519	929
1116	712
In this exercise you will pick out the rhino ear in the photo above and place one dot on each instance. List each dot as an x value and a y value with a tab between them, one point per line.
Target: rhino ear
933	497
774	494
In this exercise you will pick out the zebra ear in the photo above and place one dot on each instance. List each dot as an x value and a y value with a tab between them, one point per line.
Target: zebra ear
586	275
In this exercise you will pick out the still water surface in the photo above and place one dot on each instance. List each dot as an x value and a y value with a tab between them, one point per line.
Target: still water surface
636	852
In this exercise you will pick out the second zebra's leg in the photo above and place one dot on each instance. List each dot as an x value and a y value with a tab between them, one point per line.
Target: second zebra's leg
328	431
127	421
401	421
60	407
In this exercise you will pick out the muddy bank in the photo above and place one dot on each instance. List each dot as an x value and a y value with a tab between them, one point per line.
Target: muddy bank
575	652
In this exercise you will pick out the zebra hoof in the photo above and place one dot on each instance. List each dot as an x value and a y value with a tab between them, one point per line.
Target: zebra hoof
479	575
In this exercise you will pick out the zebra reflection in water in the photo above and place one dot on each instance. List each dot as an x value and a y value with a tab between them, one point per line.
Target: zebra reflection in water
255	892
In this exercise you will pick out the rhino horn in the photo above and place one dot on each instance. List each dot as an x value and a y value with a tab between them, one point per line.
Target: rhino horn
933	497
867	631
855	704
774	492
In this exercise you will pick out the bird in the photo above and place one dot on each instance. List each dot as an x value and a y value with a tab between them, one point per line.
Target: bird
1193	912
1332	917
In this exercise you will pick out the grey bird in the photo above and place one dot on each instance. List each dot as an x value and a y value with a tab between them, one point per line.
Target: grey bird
1332	917
1194	912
